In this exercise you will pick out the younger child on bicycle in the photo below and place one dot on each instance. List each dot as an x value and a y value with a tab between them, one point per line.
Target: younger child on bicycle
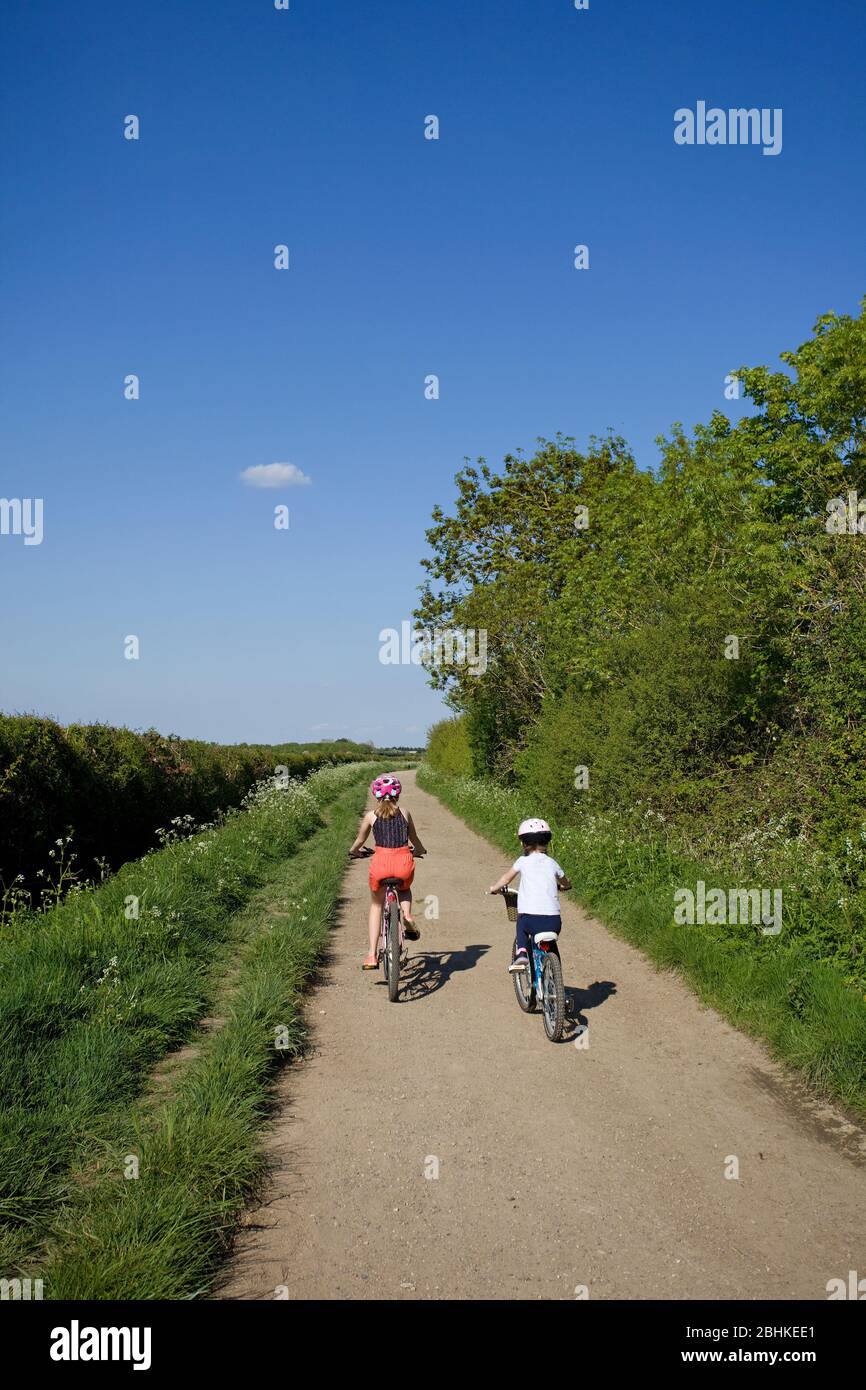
395	838
538	896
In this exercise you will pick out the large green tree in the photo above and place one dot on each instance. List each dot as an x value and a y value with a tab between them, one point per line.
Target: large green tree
692	627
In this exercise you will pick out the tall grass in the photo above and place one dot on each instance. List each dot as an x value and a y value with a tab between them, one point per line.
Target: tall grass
160	1235
95	991
778	988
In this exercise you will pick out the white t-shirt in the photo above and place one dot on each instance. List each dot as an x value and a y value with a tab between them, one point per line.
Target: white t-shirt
538	888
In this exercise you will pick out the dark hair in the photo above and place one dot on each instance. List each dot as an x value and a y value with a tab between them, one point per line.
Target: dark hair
536	837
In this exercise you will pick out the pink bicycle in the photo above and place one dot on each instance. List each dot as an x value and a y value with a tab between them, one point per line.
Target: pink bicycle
392	952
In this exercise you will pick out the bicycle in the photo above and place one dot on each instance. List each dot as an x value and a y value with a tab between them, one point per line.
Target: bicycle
393	952
542	978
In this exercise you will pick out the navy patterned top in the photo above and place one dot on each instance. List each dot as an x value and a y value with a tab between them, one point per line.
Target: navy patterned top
392	833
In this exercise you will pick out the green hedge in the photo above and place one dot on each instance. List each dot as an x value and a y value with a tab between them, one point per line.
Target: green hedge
448	748
112	789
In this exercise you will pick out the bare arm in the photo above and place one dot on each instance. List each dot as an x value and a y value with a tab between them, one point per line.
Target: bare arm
563	881
363	831
504	881
413	834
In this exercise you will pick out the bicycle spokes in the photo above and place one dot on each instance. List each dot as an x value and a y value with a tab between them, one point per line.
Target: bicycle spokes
541	984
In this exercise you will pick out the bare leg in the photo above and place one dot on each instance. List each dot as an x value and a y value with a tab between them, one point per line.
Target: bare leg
405	896
376	902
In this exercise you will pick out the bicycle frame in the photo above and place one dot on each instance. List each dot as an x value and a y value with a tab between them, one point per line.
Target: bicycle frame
391	896
392	939
536	963
541	983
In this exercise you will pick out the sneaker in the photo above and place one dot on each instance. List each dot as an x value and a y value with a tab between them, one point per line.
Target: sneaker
520	962
411	932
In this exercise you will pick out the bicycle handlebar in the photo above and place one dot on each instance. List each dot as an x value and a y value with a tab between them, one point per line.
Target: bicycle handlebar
367	853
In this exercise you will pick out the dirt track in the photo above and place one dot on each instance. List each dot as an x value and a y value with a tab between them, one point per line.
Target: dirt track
557	1166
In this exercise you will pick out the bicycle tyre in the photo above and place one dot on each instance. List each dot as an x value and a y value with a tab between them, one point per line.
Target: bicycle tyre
522	978
392	950
383	949
553	996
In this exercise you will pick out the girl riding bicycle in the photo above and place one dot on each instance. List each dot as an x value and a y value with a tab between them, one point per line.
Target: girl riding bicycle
395	839
540	880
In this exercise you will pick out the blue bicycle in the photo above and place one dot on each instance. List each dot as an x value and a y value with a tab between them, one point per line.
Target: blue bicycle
541	981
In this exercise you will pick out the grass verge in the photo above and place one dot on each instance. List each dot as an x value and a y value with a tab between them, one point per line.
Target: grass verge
198	1155
768	986
95	992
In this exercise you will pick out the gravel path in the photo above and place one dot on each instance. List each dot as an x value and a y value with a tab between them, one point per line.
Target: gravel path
441	1147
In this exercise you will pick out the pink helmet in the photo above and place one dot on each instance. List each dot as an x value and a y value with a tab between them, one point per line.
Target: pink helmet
386	787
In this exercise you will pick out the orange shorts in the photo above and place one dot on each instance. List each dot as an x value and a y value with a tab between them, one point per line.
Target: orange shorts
391	863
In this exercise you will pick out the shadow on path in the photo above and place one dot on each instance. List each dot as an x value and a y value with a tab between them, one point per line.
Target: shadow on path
427	971
578	1000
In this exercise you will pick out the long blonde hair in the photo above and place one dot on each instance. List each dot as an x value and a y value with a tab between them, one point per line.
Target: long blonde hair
387	809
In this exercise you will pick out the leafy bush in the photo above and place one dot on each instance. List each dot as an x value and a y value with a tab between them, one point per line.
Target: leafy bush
448	747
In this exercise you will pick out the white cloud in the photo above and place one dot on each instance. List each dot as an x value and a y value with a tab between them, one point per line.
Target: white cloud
275	475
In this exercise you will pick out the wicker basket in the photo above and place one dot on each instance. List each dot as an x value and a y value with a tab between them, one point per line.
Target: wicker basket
510	904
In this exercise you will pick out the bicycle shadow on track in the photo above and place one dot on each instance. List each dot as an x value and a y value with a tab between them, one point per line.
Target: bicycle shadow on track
427	971
578	1000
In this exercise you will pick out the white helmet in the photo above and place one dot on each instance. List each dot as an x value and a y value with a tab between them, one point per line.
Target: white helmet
532	826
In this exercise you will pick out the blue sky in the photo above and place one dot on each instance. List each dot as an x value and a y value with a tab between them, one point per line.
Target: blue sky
408	257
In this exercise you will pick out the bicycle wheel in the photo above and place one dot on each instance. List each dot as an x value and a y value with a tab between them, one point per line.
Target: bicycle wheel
553	996
523	986
392	951
383	945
